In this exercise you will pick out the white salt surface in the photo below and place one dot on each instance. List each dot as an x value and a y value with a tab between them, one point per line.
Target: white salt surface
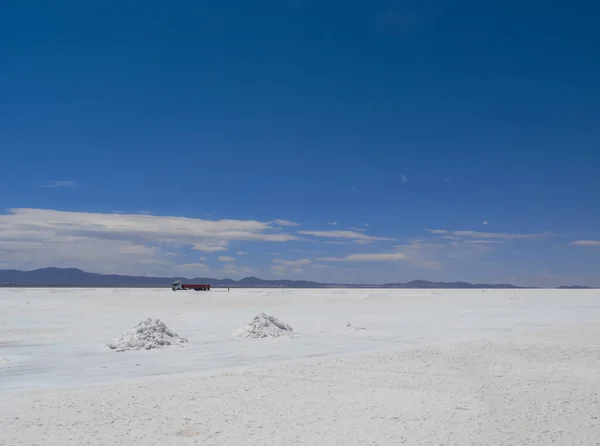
263	326
460	367
147	335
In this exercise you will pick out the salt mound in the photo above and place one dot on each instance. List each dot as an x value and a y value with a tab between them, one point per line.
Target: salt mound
148	334
263	326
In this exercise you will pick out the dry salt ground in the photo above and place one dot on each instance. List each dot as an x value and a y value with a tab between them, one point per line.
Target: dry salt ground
458	368
263	326
147	335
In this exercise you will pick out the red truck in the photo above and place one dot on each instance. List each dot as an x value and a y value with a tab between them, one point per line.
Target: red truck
177	285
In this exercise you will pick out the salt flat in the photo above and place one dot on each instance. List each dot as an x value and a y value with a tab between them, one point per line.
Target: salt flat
414	366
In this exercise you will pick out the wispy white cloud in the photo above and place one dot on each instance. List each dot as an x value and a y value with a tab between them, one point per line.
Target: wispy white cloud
354	228
437	231
237	271
365	257
499	235
293	263
482	242
211	246
304	251
226	259
588	243
94	254
332	223
130	248
350	235
404	179
422	254
281	267
446	180
279	270
488	235
106	242
61	184
241	253
192	266
281	222
485	222
136	212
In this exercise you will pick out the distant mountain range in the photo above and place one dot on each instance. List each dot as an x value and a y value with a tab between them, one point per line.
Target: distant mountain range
575	287
73	277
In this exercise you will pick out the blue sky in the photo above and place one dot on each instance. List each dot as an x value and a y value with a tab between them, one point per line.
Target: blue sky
447	140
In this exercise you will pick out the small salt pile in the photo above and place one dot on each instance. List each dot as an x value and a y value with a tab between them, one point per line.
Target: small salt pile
354	327
373	294
263	326
7	362
148	334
